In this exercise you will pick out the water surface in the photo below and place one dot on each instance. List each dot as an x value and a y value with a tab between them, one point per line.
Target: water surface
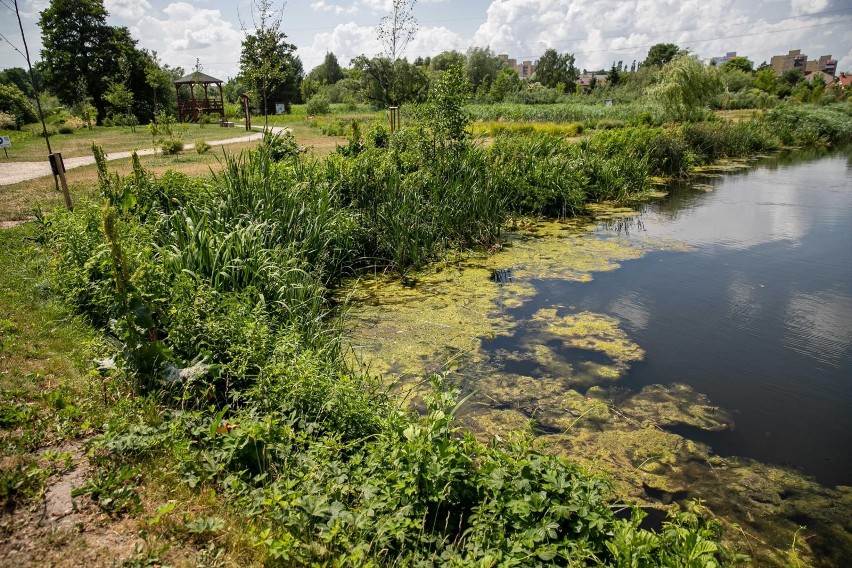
757	316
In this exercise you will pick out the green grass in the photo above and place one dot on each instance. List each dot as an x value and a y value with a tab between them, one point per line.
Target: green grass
28	146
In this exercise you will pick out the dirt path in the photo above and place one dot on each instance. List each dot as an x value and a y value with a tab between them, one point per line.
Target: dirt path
15	172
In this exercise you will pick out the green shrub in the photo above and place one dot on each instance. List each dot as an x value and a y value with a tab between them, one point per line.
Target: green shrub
318	105
202	147
171	146
64	129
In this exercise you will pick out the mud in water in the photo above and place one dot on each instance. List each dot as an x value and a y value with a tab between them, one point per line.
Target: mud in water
544	359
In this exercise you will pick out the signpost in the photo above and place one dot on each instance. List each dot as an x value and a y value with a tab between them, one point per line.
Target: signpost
58	167
5	142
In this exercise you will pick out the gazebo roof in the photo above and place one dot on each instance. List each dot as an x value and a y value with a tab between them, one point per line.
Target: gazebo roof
198	78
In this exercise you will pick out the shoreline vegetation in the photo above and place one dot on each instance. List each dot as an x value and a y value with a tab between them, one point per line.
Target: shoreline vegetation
222	387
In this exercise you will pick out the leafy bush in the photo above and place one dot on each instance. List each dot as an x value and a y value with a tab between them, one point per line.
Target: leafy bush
16	104
64	129
171	146
318	105
7	121
202	147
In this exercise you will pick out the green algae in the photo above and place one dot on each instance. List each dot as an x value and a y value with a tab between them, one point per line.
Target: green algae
576	408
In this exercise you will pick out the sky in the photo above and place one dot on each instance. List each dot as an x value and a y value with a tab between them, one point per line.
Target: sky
597	32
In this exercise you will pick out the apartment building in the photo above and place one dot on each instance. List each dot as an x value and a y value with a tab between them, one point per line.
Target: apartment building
524	69
795	59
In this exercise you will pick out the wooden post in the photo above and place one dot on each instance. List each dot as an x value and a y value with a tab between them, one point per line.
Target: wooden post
221	101
246	111
395	121
58	167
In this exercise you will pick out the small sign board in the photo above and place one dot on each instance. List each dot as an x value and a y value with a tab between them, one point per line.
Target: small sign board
608	102
280	108
5	142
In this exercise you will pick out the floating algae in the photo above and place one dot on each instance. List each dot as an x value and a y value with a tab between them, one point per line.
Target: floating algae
555	374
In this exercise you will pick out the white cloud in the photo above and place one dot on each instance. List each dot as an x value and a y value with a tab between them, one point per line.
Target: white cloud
801	7
186	32
323	6
604	31
129	9
350	40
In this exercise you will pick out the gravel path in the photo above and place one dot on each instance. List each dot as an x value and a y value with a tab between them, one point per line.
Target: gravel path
15	172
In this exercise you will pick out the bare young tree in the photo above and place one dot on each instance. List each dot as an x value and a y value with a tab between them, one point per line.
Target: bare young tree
395	32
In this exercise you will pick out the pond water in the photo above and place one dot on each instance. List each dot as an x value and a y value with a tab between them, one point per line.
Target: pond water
696	346
757	316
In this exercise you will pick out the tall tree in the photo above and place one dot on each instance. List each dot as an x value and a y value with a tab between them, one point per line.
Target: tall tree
266	58
554	68
661	53
78	45
741	63
614	76
482	67
447	59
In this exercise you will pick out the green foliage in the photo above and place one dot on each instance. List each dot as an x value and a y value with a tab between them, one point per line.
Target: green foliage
318	105
662	53
202	147
686	88
16	104
171	146
555	69
739	64
447	115
766	80
114	490
267	60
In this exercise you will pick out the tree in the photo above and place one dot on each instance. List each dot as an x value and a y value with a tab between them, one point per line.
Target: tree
384	83
447	115
397	30
740	63
78	44
613	77
447	59
14	102
661	53
554	69
506	83
482	66
267	59
18	77
328	72
766	80
686	88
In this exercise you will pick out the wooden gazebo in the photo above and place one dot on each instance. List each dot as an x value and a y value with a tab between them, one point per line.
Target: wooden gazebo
193	108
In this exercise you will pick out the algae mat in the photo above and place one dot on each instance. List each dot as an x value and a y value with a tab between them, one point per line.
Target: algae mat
453	317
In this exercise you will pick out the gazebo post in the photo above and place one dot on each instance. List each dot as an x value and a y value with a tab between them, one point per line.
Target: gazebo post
177	94
221	102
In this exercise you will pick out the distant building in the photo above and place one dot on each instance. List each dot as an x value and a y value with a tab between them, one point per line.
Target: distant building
798	60
828	78
825	64
793	60
585	80
524	70
845	80
719	61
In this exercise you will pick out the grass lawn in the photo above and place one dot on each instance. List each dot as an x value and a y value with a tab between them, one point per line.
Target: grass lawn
17	201
27	146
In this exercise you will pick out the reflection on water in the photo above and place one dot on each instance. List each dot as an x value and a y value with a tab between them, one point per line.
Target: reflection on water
719	316
758	317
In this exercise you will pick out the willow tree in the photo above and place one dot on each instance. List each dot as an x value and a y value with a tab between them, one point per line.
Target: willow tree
686	88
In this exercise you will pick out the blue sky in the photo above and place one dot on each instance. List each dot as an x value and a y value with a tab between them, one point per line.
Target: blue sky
598	32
